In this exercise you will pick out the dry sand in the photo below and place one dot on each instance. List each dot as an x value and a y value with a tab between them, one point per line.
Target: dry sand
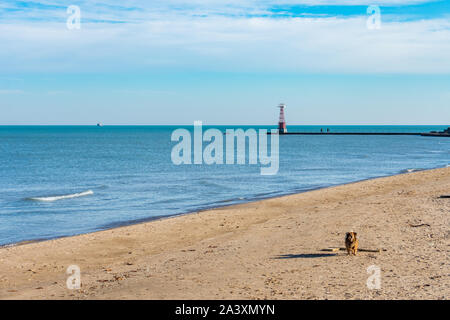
269	249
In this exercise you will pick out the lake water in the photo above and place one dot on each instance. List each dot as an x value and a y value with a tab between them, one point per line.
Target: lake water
65	180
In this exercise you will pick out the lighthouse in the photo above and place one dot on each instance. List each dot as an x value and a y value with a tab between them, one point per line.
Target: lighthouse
282	122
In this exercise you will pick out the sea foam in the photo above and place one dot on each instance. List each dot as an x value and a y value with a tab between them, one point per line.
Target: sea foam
67	196
410	170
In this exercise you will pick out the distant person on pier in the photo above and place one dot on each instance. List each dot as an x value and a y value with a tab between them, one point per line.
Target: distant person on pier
328	129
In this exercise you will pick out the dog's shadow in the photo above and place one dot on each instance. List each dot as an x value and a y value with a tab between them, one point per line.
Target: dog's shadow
305	255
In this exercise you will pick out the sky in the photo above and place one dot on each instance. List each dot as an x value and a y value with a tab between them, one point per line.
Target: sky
225	62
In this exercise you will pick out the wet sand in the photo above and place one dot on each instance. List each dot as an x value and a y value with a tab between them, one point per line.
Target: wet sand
270	249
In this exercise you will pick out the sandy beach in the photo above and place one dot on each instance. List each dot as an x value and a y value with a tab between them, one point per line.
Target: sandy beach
270	249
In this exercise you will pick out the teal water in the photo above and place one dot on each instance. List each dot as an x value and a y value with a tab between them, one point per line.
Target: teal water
66	180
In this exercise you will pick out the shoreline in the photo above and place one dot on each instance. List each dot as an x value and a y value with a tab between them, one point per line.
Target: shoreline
268	249
116	225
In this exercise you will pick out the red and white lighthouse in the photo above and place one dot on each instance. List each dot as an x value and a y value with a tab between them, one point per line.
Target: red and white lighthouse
282	120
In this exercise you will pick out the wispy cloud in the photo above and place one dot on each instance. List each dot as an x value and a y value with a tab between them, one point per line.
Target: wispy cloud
11	91
134	11
217	35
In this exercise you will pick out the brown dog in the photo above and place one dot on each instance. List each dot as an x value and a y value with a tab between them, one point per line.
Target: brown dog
351	243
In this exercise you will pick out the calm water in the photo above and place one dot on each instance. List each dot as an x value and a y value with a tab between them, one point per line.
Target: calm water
115	175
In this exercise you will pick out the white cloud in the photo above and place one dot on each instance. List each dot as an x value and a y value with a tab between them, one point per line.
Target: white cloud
140	10
11	91
227	43
351	2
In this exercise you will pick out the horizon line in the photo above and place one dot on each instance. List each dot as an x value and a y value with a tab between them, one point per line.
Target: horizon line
221	125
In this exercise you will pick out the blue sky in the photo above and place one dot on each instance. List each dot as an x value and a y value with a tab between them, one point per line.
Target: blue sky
225	62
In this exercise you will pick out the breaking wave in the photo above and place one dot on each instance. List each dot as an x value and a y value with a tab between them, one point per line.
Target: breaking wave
66	196
411	170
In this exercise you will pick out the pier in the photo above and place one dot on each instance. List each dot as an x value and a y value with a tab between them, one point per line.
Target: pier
354	133
423	134
282	130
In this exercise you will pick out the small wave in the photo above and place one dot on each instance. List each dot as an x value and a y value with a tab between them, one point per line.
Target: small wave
67	196
230	200
410	170
212	184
